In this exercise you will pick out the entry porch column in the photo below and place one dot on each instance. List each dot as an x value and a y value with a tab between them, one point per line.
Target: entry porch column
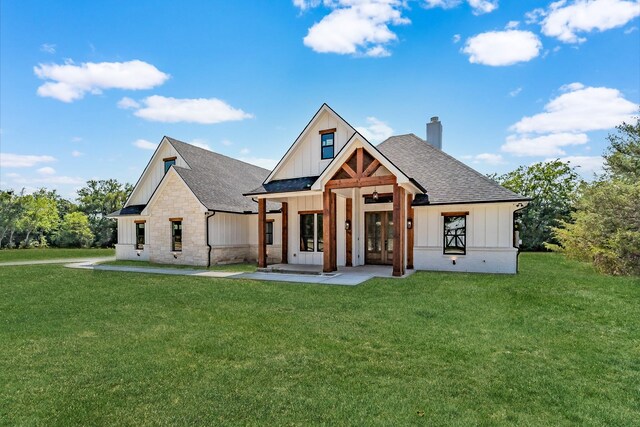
398	230
329	251
262	242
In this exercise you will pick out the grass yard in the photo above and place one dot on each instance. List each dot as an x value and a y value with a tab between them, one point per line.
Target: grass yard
9	255
555	345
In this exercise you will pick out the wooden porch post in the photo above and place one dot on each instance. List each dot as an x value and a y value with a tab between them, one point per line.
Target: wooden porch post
398	230
262	243
410	216
285	233
349	234
334	244
326	230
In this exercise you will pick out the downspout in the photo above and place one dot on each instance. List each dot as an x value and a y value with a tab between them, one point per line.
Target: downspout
208	214
514	229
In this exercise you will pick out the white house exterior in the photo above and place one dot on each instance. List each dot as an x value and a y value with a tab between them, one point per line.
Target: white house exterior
333	200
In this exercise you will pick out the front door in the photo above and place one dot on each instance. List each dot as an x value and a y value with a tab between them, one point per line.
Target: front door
378	237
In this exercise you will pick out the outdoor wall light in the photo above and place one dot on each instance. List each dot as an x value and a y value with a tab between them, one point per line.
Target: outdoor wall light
409	223
347	225
453	261
138	252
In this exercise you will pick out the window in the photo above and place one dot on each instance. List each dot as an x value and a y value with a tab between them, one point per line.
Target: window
140	235
268	232
455	230
311	232
327	145
168	162
176	235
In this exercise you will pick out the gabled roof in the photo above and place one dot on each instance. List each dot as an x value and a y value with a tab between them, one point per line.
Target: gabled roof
447	180
218	181
324	107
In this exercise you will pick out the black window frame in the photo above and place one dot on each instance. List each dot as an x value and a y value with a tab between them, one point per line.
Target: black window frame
168	163
138	227
174	235
323	146
268	232
317	244
456	237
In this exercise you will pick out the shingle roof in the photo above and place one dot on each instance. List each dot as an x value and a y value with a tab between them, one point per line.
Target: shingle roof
285	185
219	181
129	210
446	179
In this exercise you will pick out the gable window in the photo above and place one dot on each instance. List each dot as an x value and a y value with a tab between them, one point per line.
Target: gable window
268	232
140	235
455	233
327	138
176	234
311	232
168	162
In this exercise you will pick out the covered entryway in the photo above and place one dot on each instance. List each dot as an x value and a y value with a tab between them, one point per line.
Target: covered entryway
379	237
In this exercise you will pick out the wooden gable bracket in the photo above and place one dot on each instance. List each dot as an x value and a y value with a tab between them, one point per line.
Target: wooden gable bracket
362	176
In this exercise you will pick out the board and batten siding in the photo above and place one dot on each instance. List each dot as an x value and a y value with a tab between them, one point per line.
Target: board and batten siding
489	235
305	159
154	174
126	246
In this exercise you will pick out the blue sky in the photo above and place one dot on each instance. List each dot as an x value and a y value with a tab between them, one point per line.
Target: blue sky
88	88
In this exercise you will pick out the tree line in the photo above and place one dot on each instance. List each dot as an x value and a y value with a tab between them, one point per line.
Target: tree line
597	221
44	218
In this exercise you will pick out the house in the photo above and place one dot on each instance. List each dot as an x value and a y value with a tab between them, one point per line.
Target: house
333	200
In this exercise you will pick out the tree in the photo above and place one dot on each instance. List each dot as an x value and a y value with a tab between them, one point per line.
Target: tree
10	213
605	228
552	187
39	214
97	200
74	231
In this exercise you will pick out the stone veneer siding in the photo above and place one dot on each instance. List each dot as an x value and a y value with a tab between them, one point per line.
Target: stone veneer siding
177	201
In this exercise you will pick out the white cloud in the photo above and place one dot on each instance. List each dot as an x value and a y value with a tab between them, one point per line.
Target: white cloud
546	145
566	20
456	38
515	92
8	160
245	151
70	82
50	180
631	30
76	139
478	6
483	6
512	25
200	110
586	165
376	130
127	103
580	109
356	27
487	158
226	142
500	48
144	144
76	153
47	170
200	143
48	48
263	163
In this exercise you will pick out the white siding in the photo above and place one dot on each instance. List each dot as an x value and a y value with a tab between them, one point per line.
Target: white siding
126	246
154	174
305	159
297	204
489	239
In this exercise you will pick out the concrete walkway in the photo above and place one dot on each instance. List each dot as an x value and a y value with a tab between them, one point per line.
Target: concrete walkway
58	261
350	276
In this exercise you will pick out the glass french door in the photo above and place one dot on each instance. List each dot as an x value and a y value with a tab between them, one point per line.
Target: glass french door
378	237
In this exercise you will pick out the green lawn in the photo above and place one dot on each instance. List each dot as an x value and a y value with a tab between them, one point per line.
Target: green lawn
555	345
9	255
242	267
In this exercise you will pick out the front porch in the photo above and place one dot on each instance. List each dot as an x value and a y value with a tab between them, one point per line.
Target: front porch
328	227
